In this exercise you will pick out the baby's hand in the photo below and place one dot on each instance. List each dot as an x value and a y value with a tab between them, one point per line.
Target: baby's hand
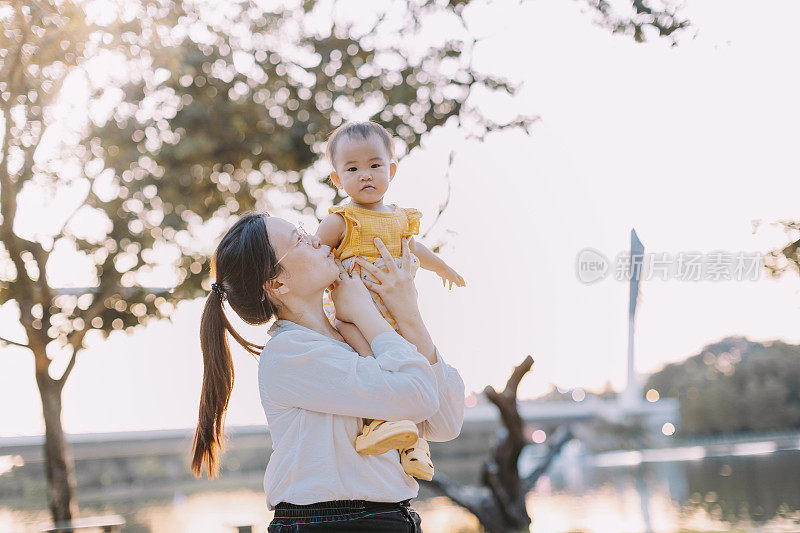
449	275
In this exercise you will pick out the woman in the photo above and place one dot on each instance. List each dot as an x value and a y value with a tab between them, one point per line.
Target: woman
314	388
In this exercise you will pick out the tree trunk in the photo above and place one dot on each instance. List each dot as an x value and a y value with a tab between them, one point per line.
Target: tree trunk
58	462
499	502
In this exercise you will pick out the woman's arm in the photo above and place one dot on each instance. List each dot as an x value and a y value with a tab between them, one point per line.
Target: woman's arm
413	329
400	296
299	369
446	423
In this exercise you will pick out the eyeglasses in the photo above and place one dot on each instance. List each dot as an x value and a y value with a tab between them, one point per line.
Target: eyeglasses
305	237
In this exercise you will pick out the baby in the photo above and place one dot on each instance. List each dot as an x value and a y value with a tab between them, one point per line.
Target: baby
363	159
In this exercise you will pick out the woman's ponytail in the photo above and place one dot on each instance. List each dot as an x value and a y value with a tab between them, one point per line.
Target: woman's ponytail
217	386
243	262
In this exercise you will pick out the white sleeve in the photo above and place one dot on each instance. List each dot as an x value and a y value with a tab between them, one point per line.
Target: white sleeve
446	423
324	376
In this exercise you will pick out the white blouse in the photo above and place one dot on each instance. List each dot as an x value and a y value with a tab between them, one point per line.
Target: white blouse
315	391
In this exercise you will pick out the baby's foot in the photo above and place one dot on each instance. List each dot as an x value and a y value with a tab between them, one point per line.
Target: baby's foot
380	436
416	460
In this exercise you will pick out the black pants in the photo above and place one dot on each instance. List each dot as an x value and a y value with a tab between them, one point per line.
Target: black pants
345	515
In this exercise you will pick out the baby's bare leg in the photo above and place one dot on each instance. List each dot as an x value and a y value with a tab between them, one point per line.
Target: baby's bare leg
352	335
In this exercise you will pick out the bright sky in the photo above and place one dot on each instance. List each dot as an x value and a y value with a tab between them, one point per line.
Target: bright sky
688	145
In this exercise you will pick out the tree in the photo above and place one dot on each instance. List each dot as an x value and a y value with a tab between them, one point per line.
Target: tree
735	385
213	111
786	258
213	115
655	18
41	45
499	503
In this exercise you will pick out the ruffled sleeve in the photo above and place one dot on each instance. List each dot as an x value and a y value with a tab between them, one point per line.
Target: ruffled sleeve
353	232
413	221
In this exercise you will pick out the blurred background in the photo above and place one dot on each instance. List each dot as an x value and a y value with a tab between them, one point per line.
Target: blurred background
533	135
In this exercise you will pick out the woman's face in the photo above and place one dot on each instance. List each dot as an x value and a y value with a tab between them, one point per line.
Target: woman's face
308	265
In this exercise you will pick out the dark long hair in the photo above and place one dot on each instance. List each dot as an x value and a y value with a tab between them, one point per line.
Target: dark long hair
242	263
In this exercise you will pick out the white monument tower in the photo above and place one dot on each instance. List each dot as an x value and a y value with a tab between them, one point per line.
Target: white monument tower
632	395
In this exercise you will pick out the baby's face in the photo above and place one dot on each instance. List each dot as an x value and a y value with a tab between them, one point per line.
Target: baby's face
363	168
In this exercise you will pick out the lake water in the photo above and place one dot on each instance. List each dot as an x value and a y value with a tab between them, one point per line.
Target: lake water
755	487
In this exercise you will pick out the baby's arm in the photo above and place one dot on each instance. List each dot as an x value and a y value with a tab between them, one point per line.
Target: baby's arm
331	232
430	261
353	336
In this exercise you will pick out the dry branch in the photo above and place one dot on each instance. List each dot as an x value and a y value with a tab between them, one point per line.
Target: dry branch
499	503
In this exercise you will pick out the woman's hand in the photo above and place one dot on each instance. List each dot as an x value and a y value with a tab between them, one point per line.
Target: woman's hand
354	304
350	297
398	292
396	287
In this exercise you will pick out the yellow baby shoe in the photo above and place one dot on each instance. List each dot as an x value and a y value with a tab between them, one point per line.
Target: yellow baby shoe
380	436
416	460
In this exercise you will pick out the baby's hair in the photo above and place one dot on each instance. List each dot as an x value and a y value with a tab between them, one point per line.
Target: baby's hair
362	129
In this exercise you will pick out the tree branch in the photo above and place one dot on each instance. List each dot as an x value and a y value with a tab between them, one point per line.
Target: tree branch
60	233
561	436
8	210
13	66
516	376
75	339
490	478
8	201
67	371
469	497
446	202
41	256
15	343
512	384
506	403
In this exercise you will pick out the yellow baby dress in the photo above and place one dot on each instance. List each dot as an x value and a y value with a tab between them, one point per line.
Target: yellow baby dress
363	225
